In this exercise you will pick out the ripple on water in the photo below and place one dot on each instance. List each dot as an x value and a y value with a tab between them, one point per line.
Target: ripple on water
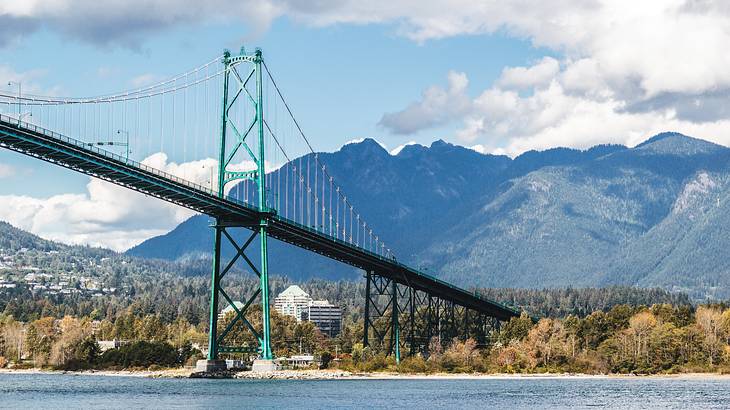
84	391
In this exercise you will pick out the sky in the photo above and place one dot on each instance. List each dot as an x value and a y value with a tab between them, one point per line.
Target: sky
501	77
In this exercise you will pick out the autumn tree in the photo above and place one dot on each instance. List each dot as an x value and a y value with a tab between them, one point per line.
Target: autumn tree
71	333
39	339
13	336
640	326
546	340
709	322
461	355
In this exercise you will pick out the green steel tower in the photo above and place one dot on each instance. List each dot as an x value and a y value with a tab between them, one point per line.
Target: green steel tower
233	97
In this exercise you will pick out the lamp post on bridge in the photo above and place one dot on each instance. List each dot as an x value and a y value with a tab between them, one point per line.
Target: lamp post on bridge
20	94
124	144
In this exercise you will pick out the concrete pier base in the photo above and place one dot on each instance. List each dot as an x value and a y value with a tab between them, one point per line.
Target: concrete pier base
210	366
260	365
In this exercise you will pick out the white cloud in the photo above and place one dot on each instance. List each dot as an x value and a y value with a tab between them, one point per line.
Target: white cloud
6	171
437	106
523	77
106	215
649	54
552	117
620	70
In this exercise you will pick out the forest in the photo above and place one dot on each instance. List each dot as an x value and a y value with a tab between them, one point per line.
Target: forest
624	339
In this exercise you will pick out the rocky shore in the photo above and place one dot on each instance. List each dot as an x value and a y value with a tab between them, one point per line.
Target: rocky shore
297	375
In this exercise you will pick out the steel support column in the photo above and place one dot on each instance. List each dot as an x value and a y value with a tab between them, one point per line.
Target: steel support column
215	277
263	208
412	336
215	284
366	330
395	335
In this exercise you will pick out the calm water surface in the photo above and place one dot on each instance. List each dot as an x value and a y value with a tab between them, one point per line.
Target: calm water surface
79	391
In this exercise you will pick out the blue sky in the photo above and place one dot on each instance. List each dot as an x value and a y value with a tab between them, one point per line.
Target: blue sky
500	77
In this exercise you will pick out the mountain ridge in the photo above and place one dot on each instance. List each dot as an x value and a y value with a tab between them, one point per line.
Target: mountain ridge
559	217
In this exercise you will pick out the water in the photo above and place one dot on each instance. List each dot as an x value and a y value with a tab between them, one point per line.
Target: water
83	391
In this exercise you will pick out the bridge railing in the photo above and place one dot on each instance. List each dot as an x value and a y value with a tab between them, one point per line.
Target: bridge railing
113	156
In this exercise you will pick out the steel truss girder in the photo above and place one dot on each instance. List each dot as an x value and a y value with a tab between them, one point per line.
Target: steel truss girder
421	319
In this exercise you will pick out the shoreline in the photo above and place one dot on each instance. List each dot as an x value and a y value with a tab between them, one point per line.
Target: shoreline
167	373
183	373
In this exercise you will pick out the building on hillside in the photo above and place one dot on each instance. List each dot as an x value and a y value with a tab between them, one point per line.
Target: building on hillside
105	345
229	309
326	316
292	302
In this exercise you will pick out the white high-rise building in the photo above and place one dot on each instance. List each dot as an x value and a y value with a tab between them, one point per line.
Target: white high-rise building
293	302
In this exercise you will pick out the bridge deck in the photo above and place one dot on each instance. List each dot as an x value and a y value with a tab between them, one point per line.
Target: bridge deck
76	155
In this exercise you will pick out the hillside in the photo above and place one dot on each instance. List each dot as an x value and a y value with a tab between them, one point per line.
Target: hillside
14	239
652	215
46	278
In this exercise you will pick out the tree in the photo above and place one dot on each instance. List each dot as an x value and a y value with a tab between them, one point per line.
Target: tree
640	325
594	329
152	329
546	340
461	355
709	322
325	358
725	325
39	339
571	324
72	333
85	355
516	329
12	334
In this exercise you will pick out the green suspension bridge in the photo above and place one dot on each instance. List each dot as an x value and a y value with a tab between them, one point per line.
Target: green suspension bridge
243	159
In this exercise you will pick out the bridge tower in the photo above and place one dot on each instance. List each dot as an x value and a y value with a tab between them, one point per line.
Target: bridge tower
246	140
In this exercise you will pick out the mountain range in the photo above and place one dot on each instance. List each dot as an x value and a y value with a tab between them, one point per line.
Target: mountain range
651	215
